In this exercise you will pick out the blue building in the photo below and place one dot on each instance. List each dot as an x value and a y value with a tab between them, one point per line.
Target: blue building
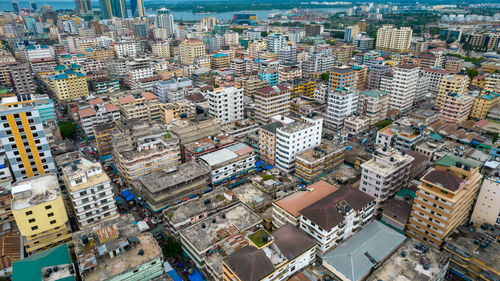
45	107
271	76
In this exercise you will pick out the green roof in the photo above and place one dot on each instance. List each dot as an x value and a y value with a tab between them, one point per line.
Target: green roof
449	160
405	191
374	93
30	268
257	237
60	67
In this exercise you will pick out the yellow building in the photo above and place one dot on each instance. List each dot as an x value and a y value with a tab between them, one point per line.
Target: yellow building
304	88
40	214
492	83
391	38
137	105
453	83
171	73
100	54
255	47
103	139
161	49
69	83
191	49
483	104
171	111
219	61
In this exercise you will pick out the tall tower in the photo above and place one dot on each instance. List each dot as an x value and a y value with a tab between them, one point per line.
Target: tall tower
83	6
137	7
112	8
165	19
33	5
15	6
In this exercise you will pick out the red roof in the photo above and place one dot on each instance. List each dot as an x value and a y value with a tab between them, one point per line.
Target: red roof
96	101
126	99
89	111
111	107
149	96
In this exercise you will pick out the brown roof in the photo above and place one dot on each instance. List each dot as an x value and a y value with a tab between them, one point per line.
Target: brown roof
126	99
195	97
325	214
418	158
399	208
272	89
9	248
96	101
250	263
89	111
149	96
291	241
299	200
111	107
436	125
445	179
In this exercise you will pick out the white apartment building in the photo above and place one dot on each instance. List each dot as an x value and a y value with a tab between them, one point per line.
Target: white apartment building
39	52
385	174
231	38
271	101
98	113
336	217
391	38
296	137
487	208
422	88
125	49
139	69
276	43
321	92
341	104
401	86
161	49
226	104
172	90
435	76
317	62
373	104
90	191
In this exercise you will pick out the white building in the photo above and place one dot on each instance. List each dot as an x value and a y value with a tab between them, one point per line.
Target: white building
98	113
341	104
435	76
229	162
385	174
165	20
226	104
422	88
321	92
231	38
39	52
276	43
292	139
125	49
169	91
90	191
336	217
401	86
487	209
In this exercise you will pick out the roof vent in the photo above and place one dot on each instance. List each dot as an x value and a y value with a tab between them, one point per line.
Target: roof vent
467	167
203	225
214	220
458	164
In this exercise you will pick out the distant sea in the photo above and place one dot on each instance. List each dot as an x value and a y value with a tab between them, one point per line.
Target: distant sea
5	5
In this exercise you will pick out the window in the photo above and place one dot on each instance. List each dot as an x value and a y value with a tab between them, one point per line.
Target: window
52	221
50	215
48	207
29	213
34	227
31	220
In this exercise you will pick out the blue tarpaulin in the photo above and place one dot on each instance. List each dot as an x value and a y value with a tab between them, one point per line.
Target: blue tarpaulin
259	163
118	198
268	167
125	192
195	276
130	197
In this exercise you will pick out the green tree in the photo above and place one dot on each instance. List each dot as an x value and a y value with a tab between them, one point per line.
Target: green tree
68	130
39	90
472	73
172	248
495	138
325	76
263	34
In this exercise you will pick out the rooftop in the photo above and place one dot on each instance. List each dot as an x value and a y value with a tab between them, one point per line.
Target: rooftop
375	93
301	199
325	149
355	257
34	191
157	181
83	168
271	127
204	234
444	179
410	267
226	154
106	236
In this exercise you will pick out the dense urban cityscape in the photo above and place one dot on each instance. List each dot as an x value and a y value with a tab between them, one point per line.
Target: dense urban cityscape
249	141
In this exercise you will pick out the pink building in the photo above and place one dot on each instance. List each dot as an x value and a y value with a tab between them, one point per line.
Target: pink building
455	108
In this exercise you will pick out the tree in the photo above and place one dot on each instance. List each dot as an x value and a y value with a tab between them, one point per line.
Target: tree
472	73
495	138
172	248
263	34
68	130
325	76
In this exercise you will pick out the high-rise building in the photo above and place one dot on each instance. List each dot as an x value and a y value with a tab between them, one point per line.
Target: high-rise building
483	103
113	9
341	77
486	210
375	73
373	104
226	104
165	19
393	39
401	86
15	6
350	32
23	138
443	200
294	138
191	49
385	174
455	108
453	83
83	7
341	104
23	80
208	23
40	214
271	101
137	7
69	83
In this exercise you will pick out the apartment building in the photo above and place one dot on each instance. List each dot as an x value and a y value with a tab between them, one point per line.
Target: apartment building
69	82
271	101
342	77
435	76
356	124
336	217
296	249
453	83
393	39
40	214
252	84
267	142
373	104
195	128
125	49
39	52
105	85
23	82
486	210
287	209
317	63
141	147
375	74
294	138
226	104
103	139
97	112
403	134
23	138
220	61
401	86
455	108
90	192
443	200
190	49
492	83
453	64
289	72
161	49
385	174
342	102
313	162
137	105
172	90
